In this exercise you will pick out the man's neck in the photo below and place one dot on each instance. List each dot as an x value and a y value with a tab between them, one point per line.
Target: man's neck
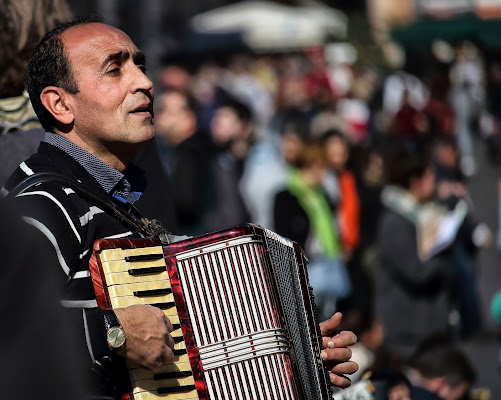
103	152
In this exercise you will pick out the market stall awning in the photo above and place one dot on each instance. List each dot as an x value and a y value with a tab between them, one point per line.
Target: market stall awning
420	34
270	26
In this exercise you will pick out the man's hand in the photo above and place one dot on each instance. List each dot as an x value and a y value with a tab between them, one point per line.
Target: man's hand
147	330
336	354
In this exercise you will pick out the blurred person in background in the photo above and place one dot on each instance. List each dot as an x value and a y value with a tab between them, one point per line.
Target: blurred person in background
317	79
380	384
370	178
338	150
241	79
174	77
303	213
410	125
438	110
231	135
473	235
184	152
411	293
438	370
467	97
268	164
291	96
205	88
22	24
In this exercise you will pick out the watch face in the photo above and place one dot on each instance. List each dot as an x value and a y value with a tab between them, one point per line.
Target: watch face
116	337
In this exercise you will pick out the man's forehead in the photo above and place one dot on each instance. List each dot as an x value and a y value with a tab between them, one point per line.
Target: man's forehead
95	39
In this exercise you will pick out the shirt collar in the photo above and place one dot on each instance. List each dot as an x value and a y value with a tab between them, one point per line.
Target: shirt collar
127	188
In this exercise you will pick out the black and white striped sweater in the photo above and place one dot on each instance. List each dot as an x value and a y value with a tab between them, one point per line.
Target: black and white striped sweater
71	225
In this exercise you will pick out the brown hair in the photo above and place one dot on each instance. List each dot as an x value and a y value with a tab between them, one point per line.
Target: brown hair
313	154
22	24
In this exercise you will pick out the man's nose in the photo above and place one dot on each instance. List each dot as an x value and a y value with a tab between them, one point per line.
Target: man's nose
140	81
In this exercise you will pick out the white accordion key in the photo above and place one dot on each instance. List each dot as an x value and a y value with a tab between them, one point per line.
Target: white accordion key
139	276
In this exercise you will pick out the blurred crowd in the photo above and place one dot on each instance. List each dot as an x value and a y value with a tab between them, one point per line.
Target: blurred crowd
362	168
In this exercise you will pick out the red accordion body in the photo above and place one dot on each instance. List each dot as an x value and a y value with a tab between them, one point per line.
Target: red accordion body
241	306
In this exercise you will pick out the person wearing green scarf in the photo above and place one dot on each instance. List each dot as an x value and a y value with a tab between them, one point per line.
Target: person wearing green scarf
314	202
302	212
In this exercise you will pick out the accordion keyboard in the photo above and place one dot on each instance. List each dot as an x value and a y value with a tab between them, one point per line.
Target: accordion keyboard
139	276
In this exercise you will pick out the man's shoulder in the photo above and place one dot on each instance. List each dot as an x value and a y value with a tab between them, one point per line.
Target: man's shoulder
49	160
393	225
33	165
46	195
392	217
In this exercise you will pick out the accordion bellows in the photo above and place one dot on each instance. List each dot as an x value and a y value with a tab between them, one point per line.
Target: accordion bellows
243	312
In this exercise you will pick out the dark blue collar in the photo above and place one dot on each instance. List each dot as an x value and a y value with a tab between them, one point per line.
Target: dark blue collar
126	188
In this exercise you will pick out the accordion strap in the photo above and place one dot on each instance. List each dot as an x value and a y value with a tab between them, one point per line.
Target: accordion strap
133	219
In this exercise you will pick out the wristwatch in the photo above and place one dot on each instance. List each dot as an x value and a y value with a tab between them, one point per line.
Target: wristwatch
115	335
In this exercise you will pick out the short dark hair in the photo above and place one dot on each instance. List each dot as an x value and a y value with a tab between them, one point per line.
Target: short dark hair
49	66
402	165
297	122
436	357
242	110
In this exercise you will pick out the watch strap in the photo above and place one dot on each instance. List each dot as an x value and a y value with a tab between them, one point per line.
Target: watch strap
110	319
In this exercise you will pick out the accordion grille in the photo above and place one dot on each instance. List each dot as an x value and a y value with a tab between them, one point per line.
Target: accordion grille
287	274
236	323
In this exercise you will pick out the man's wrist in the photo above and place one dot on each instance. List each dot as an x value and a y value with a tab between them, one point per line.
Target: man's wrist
110	319
115	335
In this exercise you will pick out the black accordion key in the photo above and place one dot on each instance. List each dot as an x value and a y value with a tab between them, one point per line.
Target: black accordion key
163	306
176	389
143	271
143	257
179	352
171	375
153	292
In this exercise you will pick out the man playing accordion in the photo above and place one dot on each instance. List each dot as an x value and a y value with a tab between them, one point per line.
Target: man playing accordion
88	87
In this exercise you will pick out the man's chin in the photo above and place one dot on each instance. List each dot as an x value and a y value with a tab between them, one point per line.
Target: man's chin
146	132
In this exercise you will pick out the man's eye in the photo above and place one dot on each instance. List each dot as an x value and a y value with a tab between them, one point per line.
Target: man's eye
142	67
113	71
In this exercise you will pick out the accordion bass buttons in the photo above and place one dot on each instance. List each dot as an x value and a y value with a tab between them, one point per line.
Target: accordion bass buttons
139	276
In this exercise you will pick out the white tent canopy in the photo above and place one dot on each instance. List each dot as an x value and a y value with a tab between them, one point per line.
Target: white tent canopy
270	26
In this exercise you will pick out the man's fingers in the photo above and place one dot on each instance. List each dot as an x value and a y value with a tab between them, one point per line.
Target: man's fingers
169	341
170	328
341	339
336	355
328	327
339	381
168	355
348	367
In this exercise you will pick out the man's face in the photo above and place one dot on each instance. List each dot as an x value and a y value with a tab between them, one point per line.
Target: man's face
113	110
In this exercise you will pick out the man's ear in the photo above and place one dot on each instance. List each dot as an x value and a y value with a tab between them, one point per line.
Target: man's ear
55	101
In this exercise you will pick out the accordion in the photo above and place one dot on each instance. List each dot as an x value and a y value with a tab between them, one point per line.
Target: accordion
243	312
